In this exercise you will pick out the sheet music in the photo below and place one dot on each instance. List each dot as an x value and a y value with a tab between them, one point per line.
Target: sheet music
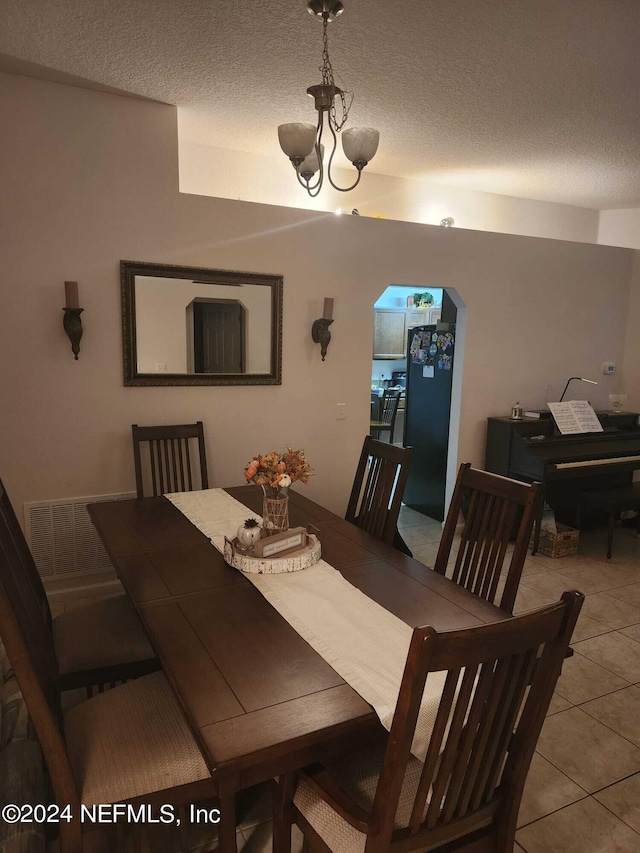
575	416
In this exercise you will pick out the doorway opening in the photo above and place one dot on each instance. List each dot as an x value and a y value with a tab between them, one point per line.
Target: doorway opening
216	335
418	350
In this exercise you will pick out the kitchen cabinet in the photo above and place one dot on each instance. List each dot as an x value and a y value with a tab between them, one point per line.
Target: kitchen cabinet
423	317
391	327
389	336
416	317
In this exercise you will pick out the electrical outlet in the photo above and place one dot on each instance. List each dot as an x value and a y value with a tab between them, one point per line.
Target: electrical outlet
341	411
608	368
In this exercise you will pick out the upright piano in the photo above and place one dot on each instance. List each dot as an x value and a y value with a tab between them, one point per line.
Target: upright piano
533	449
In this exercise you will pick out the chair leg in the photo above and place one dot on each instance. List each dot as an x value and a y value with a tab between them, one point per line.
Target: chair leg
283	814
227	842
612	527
71	837
121	838
537	527
281	835
183	829
400	545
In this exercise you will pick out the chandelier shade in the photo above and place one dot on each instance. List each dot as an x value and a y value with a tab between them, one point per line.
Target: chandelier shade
302	142
360	144
311	164
297	139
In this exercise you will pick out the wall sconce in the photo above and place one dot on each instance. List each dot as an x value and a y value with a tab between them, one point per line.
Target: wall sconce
320	329
71	322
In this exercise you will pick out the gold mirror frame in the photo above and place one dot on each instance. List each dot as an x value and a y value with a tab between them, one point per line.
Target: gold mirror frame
128	272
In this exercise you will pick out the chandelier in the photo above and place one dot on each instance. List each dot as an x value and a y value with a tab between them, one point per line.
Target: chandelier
302	143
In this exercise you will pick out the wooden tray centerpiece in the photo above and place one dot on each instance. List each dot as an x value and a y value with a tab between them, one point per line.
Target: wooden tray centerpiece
289	551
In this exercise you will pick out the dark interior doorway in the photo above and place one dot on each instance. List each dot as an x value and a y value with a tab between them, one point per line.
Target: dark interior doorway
218	336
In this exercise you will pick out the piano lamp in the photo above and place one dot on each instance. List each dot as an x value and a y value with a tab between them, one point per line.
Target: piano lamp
580	379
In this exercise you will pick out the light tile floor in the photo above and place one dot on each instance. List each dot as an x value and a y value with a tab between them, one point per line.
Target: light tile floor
583	790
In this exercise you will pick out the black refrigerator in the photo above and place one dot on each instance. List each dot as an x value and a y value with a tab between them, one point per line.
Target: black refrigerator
430	353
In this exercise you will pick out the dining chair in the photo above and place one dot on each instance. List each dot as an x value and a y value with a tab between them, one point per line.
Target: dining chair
494	683
95	644
130	744
378	487
388	412
167	458
492	506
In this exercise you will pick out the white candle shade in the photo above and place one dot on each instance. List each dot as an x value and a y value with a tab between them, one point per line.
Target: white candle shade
297	139
360	143
72	300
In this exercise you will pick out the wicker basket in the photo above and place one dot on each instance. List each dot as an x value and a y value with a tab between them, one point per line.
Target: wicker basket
564	543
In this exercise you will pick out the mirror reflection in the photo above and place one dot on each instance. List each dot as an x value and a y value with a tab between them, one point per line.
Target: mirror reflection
185	325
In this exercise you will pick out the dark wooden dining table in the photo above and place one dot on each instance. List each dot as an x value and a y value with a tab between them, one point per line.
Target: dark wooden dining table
259	699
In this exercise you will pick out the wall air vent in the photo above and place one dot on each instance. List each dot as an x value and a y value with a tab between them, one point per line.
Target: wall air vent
62	537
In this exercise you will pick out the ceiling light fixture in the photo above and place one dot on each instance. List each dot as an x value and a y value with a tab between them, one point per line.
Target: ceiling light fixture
302	143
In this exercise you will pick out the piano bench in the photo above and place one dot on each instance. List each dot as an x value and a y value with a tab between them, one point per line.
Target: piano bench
613	502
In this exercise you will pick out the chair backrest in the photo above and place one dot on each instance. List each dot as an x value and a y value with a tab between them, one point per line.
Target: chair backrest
499	682
28	642
22	563
491	506
169	463
389	407
378	488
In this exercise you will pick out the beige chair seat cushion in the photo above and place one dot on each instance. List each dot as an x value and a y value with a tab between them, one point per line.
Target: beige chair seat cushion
131	741
358	774
103	633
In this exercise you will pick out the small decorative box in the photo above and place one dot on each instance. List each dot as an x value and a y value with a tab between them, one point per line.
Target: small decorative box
564	543
289	551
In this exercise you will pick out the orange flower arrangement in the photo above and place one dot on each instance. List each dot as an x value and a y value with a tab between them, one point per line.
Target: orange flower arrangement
276	471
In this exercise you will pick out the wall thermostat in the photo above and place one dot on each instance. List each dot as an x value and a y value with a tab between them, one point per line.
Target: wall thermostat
608	368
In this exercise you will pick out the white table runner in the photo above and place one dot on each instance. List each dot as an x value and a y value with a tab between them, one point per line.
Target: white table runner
361	640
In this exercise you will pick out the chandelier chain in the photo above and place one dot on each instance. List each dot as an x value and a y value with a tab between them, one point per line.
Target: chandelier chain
327	78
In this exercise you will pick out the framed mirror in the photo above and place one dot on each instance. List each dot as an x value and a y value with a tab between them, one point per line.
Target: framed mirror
193	326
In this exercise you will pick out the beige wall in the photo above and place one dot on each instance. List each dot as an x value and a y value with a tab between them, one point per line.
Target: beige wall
206	170
630	378
620	228
92	178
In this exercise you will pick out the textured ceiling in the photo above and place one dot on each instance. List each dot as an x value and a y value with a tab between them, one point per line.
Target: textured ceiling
531	98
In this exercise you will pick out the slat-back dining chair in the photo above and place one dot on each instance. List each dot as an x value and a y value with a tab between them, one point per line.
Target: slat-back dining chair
378	488
95	644
497	682
491	505
128	744
170	462
388	412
